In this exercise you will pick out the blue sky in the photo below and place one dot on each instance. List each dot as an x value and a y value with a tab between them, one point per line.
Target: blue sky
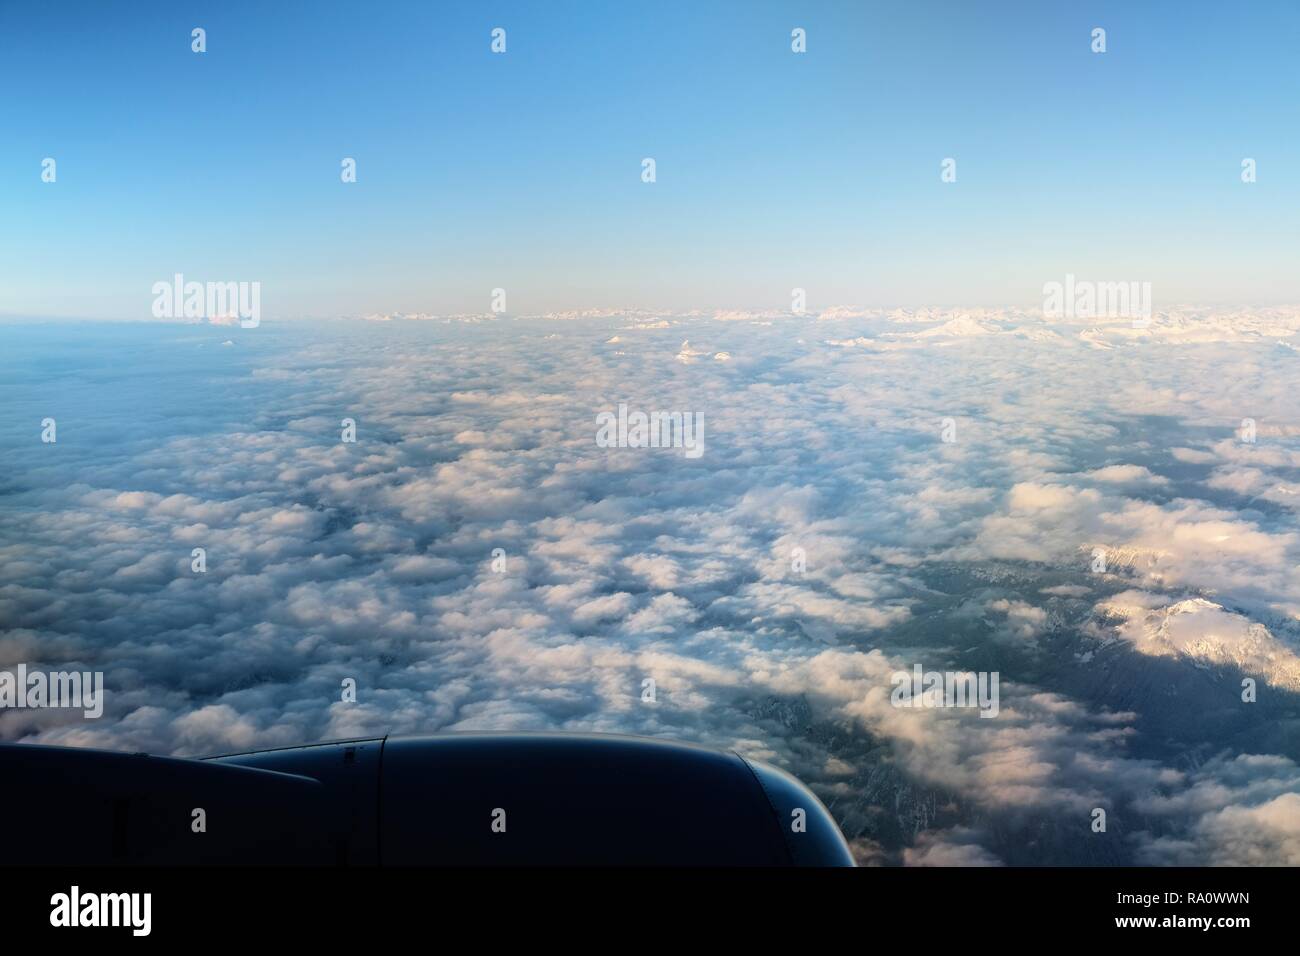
522	171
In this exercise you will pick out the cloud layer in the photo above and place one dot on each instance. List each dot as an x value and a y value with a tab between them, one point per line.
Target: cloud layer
879	490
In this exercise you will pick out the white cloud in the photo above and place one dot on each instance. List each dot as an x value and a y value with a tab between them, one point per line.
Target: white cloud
374	561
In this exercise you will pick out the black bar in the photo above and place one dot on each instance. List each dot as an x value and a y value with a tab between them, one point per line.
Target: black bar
443	905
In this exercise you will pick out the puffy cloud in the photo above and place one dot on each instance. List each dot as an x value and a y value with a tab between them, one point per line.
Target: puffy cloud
1245	812
829	537
1126	474
956	847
